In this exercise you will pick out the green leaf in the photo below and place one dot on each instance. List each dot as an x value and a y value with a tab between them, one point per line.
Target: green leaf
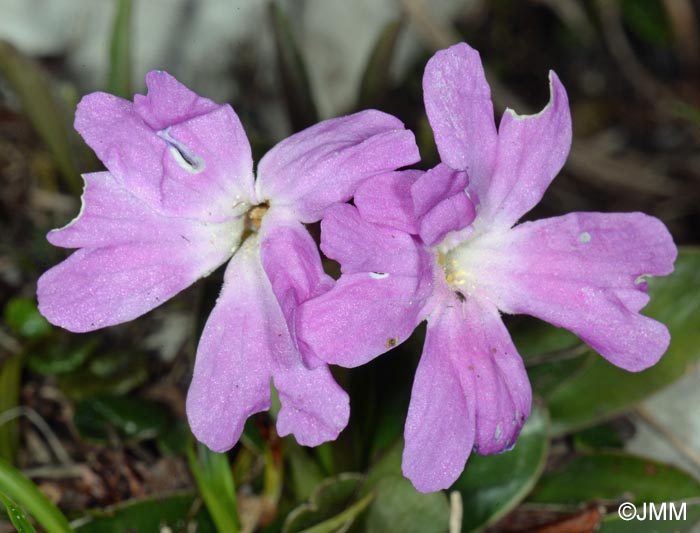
602	436
332	506
132	417
50	359
43	109
20	489
119	79
110	373
23	317
614	476
17	516
212	472
306	473
600	390
375	80
10	373
175	512
295	80
492	485
398	506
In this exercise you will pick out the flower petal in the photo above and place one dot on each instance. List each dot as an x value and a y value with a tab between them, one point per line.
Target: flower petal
293	265
245	343
314	407
377	302
458	103
531	152
582	272
132	261
386	200
439	432
169	102
234	364
325	163
199	166
441	203
471	390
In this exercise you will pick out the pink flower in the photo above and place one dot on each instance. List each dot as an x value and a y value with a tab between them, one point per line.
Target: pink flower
178	198
415	248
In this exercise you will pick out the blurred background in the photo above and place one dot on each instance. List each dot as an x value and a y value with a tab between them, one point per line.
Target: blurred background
92	429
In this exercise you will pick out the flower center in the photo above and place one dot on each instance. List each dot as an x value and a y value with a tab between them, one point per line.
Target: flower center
255	215
456	277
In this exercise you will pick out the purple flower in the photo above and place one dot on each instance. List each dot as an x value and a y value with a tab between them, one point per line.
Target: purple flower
177	200
415	247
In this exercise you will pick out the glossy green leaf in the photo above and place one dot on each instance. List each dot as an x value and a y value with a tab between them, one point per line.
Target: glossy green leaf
398	506
212	472
17	516
19	488
10	374
176	512
613	476
119	80
375	80
43	109
492	485
23	317
332	506
600	390
131	417
612	523
295	80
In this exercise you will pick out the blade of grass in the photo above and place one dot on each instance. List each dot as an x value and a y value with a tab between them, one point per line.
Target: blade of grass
297	88
17	516
375	80
20	488
9	398
212	473
119	78
43	110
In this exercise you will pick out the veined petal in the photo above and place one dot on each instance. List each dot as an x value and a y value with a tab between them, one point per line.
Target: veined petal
325	163
132	260
471	390
458	103
582	272
198	166
293	265
386	200
531	152
378	300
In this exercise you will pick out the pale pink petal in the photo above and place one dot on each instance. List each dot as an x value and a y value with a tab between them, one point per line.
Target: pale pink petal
293	265
531	152
246	344
441	203
458	103
325	163
234	364
386	200
580	272
471	390
132	260
198	166
377	302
